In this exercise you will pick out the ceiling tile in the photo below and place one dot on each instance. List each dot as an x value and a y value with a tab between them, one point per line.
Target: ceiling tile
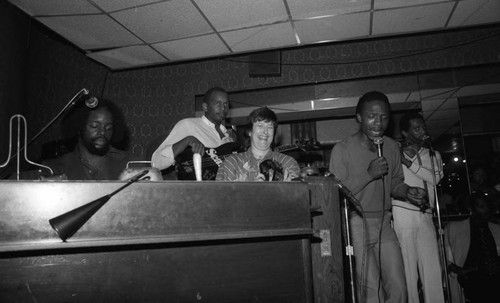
381	4
91	31
333	28
262	37
114	5
235	14
164	21
472	12
301	9
192	48
55	7
127	57
411	19
184	29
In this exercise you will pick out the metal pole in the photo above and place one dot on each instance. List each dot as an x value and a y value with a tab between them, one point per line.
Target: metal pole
349	249
442	249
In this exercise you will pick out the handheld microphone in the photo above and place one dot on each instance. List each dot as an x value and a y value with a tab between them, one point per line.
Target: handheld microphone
197	166
378	141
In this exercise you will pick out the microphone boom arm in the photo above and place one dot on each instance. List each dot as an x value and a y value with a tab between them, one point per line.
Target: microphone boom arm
70	104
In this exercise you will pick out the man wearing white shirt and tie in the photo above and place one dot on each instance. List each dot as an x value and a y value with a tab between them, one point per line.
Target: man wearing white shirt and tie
197	134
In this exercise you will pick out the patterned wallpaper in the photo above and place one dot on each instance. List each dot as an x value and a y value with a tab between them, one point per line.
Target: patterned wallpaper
155	98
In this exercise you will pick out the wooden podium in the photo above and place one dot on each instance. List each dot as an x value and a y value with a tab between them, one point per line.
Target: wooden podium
158	242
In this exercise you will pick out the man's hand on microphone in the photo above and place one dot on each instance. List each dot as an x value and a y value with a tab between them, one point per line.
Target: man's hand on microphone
196	145
378	168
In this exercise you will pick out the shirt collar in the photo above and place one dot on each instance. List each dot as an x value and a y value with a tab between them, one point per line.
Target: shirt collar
210	123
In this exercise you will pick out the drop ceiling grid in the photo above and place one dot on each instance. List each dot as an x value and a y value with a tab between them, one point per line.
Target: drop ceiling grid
55	7
301	9
114	5
335	28
244	25
263	37
192	48
126	57
385	4
237	14
91	31
472	12
164	21
411	19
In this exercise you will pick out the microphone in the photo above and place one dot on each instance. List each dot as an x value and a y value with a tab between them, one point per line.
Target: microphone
426	140
378	141
197	166
90	101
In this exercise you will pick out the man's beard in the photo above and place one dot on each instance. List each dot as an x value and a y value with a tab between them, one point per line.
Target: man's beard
100	151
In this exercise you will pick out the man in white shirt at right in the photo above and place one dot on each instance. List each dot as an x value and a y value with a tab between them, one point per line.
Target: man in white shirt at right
414	226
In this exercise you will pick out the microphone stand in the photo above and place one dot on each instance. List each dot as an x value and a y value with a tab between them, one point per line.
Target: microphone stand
444	260
25	124
379	141
349	248
70	104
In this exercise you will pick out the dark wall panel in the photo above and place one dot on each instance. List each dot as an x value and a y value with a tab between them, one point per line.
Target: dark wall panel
14	27
57	72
